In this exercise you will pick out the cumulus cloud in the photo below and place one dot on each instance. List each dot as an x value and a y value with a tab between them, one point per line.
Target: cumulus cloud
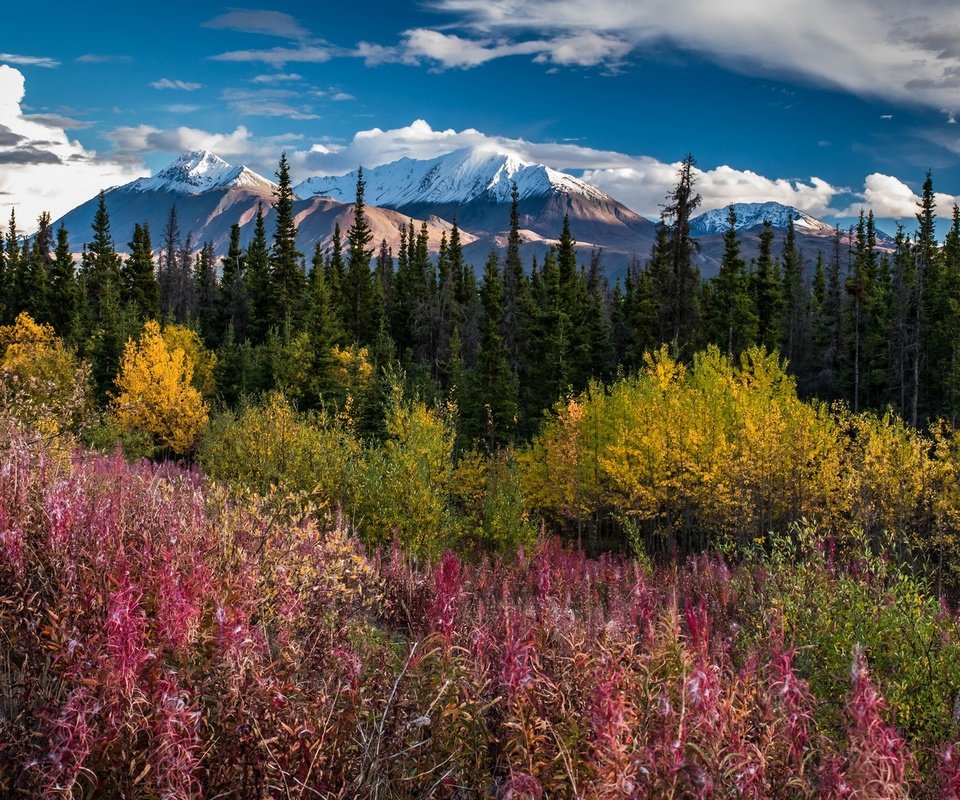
43	170
881	48
184	86
889	197
240	145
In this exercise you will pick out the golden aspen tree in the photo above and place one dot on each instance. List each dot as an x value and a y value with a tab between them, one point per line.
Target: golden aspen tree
156	393
43	384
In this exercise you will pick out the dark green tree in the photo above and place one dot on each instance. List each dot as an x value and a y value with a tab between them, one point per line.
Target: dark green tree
358	285
138	279
258	282
101	266
731	317
677	276
767	292
63	289
495	389
232	306
287	278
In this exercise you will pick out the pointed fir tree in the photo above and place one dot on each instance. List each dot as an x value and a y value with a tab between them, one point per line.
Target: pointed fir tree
232	312
677	275
258	281
357	281
495	384
767	292
731	318
168	269
63	289
102	266
796	305
287	278
205	291
32	289
138	280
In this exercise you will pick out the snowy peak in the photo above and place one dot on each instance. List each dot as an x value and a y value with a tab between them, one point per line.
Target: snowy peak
462	176
199	171
750	215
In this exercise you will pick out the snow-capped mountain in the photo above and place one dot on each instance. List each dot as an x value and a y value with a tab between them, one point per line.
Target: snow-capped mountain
462	176
211	195
750	215
474	187
199	171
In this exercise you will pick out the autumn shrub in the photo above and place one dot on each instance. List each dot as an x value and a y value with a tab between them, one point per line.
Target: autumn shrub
156	395
406	488
44	386
272	447
161	638
892	618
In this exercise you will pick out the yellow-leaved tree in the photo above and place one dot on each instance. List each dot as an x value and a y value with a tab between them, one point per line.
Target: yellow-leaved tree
156	392
43	384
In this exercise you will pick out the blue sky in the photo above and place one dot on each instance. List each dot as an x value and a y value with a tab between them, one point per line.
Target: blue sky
821	105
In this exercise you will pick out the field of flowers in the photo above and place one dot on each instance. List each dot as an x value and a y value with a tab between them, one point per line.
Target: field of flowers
160	638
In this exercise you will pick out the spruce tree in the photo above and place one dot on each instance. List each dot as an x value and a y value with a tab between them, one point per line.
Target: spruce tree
287	279
168	268
495	401
63	289
677	275
731	316
205	291
767	292
324	330
258	281
232	312
32	289
517	311
796	305
357	288
138	280
102	266
12	255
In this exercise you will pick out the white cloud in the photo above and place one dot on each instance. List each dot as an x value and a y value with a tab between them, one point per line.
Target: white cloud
882	48
29	61
274	102
43	170
278	77
891	198
451	51
269	23
100	58
279	57
184	86
643	187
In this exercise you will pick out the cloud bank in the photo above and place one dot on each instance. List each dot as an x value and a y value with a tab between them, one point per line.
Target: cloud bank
43	170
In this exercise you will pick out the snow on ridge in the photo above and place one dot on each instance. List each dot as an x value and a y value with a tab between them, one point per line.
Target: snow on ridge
198	171
750	215
458	177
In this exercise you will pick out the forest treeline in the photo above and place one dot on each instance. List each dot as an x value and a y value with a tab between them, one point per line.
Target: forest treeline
876	328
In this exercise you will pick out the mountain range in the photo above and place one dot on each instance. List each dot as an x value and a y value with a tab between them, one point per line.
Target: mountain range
472	187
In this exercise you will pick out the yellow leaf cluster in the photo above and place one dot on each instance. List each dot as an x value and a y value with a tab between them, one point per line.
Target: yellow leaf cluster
42	382
156	392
